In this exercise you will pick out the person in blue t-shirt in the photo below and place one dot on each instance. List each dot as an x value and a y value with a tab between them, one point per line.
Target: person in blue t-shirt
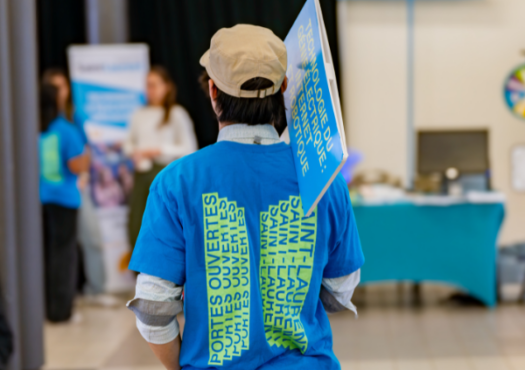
62	158
226	223
89	234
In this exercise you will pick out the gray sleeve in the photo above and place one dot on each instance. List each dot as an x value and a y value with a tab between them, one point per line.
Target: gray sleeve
156	305
155	313
336	294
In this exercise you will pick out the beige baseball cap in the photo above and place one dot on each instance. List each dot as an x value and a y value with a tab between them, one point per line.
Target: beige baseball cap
241	53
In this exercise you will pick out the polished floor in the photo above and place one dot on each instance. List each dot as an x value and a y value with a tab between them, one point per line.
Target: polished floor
391	333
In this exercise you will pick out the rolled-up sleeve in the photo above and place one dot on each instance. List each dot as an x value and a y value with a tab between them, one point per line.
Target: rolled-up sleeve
336	294
156	305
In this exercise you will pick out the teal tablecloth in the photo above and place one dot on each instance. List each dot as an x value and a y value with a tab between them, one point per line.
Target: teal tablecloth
453	244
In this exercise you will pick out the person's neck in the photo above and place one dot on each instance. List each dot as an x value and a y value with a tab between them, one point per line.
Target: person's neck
226	124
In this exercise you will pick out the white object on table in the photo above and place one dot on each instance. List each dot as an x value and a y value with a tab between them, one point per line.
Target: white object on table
436	200
381	194
485	197
518	167
477	197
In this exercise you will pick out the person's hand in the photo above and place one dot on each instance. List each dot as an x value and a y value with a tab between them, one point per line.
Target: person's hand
140	155
137	157
151	153
83	180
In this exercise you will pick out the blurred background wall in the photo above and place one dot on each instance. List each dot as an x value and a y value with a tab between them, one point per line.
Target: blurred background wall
60	24
464	50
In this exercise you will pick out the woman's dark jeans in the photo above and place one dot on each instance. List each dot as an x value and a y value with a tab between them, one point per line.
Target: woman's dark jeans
60	257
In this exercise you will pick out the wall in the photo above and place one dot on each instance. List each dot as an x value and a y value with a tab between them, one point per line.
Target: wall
463	52
107	21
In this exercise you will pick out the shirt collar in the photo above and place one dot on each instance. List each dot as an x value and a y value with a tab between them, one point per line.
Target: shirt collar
249	134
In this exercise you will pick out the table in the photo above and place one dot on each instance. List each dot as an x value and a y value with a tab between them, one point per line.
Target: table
453	244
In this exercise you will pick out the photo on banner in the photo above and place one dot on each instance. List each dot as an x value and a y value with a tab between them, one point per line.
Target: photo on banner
108	85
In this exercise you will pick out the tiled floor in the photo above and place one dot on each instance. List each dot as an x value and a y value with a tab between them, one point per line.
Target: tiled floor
390	334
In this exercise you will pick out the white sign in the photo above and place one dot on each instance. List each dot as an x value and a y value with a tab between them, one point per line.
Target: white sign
108	84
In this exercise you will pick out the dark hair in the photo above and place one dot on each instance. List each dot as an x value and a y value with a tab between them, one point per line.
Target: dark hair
252	111
48	75
171	96
48	105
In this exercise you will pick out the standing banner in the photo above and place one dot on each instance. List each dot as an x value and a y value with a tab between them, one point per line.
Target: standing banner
108	84
313	109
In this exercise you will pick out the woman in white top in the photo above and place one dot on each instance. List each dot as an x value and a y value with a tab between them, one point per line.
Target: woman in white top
160	133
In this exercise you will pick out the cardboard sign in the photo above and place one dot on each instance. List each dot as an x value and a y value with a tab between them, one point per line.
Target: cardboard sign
313	110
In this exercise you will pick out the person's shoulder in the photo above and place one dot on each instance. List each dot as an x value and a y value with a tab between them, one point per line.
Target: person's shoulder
177	108
338	186
68	133
141	112
337	193
188	164
201	157
64	126
178	111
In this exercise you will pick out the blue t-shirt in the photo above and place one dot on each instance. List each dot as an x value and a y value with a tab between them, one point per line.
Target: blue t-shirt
60	143
227	222
77	121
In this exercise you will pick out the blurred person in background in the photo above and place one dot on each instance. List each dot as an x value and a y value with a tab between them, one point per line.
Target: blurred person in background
89	236
6	338
159	133
62	159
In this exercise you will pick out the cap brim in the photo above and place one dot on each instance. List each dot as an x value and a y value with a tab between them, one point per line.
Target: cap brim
205	59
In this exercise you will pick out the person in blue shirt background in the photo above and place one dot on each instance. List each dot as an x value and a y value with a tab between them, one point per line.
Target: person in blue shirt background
89	234
62	158
226	223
